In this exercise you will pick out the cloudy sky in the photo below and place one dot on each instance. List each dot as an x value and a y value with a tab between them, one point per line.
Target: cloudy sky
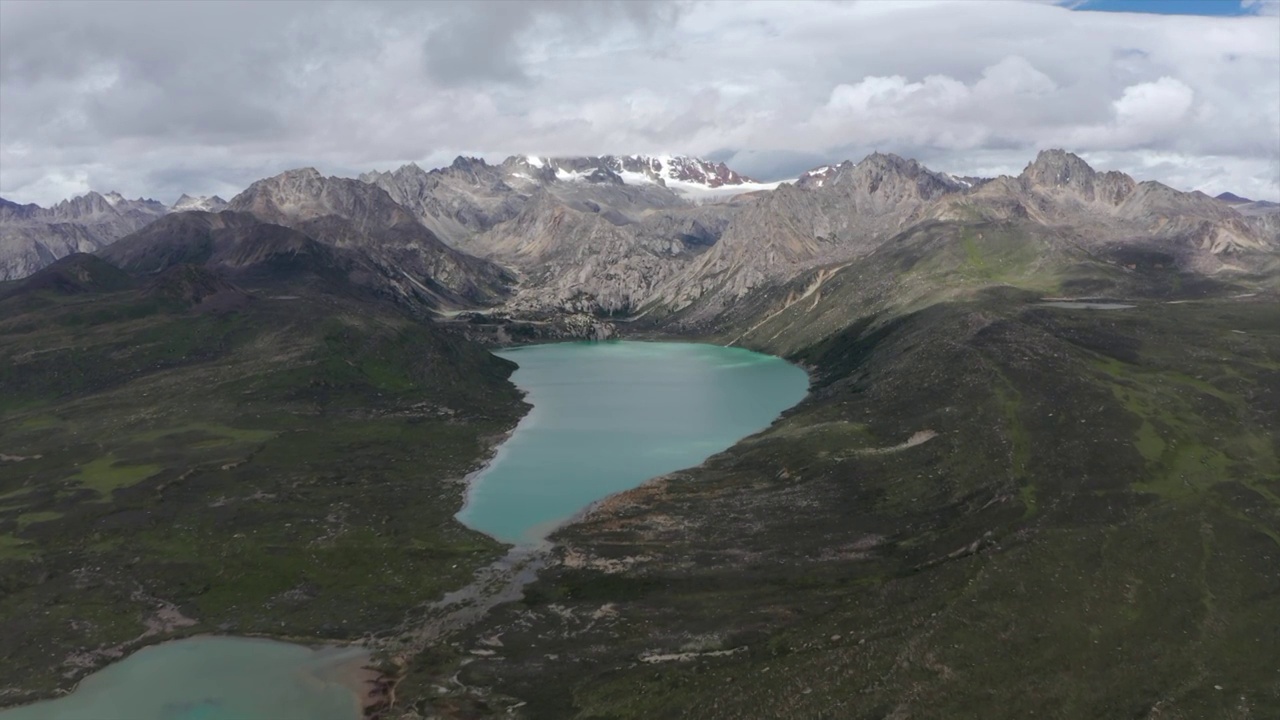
161	98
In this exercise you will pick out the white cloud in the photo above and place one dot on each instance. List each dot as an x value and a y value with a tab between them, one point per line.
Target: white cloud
1261	7
160	99
1154	106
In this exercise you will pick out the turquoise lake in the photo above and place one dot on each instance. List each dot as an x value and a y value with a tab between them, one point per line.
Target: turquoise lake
605	418
609	415
213	678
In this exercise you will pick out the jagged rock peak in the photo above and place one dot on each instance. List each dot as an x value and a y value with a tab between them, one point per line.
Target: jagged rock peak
92	204
890	161
407	170
1059	170
290	187
188	203
303	173
31	237
467	163
303	193
882	173
91	201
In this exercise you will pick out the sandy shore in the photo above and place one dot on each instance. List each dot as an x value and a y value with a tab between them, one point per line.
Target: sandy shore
371	687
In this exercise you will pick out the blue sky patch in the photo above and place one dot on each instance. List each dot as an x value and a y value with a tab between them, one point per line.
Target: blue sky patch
1170	7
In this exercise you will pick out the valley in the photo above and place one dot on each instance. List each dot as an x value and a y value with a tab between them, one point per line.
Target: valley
258	421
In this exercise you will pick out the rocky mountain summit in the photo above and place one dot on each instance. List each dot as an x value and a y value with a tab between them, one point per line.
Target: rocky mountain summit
204	203
1112	211
454	202
348	213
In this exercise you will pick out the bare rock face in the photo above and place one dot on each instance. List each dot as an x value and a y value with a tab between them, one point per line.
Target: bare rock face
470	197
348	213
1068	177
587	234
455	202
582	257
32	237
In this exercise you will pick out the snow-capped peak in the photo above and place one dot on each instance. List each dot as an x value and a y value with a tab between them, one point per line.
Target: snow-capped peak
694	178
113	198
666	168
817	177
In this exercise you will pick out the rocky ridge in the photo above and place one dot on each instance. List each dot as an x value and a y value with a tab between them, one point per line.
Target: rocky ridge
607	235
622	235
351	214
32	237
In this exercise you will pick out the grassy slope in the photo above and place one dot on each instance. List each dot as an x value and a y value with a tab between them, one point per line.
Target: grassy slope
288	469
1094	531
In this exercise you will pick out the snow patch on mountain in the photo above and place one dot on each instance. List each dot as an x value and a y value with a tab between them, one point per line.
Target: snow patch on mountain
700	193
564	175
817	177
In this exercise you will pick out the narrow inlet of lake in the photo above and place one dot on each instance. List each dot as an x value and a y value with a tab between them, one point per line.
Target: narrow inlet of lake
609	415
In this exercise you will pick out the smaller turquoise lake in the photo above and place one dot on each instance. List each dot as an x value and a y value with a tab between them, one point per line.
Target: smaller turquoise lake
214	678
609	415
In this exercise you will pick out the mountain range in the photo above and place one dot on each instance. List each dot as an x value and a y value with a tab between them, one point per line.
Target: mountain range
625	235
